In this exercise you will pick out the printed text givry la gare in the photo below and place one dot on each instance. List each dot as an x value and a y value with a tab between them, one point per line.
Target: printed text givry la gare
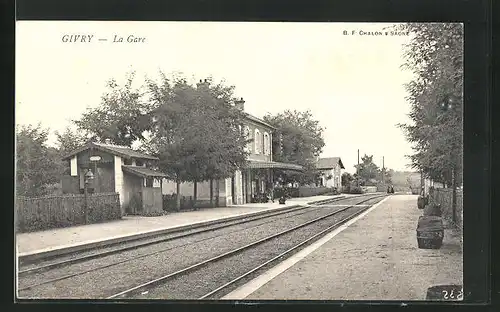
89	38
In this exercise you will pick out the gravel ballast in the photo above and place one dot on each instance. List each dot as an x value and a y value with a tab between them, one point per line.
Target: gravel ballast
209	277
157	238
178	254
160	247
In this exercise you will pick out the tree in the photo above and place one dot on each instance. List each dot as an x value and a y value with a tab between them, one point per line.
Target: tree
224	138
37	166
387	176
368	170
170	120
435	56
195	130
70	140
346	179
299	140
122	117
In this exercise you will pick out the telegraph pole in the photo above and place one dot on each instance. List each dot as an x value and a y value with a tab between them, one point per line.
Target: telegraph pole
357	168
383	171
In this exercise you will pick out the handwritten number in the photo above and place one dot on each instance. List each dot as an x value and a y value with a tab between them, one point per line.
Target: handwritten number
445	294
451	294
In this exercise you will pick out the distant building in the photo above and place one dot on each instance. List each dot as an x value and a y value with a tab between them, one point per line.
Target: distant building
119	169
247	183
331	171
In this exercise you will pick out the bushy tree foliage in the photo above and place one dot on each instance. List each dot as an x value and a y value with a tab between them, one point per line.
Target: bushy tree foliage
435	56
69	140
346	179
222	124
367	169
298	140
195	130
37	165
388	176
122	117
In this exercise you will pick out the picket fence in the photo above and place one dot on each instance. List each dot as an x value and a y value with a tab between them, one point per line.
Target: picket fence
42	213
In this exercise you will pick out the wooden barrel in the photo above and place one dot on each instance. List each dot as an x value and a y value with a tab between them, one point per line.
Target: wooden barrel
420	202
430	232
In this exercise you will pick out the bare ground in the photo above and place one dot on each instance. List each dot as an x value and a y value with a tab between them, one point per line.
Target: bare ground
376	258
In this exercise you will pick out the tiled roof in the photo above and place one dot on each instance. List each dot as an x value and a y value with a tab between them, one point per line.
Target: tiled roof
122	151
329	163
143	171
126	151
258	120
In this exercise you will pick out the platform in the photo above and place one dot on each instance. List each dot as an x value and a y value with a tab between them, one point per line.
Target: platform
374	258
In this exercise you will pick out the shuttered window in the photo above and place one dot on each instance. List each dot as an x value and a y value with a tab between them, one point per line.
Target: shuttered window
258	141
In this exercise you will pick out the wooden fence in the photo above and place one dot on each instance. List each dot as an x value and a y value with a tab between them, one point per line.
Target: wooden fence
187	202
41	213
369	189
305	191
444	197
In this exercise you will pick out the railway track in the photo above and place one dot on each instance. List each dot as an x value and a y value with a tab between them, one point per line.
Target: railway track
165	291
27	268
139	290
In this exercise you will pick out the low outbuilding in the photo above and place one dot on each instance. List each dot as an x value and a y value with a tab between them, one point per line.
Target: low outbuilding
130	173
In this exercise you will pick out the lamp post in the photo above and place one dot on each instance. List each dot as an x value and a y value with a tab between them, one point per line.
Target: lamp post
89	176
282	198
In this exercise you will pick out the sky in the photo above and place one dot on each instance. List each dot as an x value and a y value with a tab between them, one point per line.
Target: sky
353	84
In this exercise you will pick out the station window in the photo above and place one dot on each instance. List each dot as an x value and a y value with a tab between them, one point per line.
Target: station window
257	141
266	144
248	136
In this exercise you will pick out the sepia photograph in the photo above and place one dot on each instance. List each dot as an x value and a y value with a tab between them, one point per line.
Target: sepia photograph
239	161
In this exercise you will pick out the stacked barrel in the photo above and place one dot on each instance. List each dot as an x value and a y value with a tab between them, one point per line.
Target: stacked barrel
430	228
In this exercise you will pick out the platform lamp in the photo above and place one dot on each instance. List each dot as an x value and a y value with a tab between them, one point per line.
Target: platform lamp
94	160
282	198
89	176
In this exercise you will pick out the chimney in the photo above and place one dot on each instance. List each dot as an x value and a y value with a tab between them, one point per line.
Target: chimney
240	104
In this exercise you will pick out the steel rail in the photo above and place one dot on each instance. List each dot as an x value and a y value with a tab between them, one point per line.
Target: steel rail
90	257
136	246
208	228
60	278
337	224
152	283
